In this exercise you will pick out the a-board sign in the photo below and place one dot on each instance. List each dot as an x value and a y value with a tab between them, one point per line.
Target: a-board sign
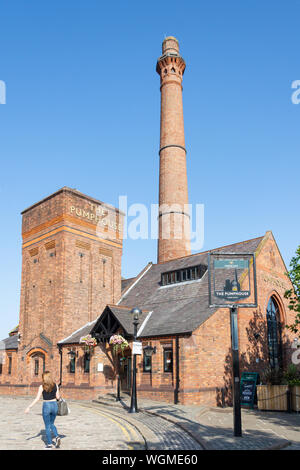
248	388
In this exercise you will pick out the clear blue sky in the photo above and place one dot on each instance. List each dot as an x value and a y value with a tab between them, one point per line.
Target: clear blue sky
83	110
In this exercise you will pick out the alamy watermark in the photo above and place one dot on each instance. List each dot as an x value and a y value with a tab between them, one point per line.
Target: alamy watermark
296	95
177	222
2	92
296	353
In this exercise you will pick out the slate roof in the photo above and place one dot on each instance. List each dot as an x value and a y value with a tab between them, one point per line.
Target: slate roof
9	343
182	307
168	310
74	338
126	282
124	317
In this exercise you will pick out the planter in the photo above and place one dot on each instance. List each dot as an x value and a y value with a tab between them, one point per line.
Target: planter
295	391
272	397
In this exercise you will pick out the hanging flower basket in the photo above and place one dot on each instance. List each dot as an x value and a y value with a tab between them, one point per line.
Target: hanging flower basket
89	343
118	342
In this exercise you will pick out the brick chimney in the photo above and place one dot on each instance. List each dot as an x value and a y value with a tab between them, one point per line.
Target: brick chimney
174	220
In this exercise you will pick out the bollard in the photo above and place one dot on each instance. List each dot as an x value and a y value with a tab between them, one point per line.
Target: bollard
118	389
289	401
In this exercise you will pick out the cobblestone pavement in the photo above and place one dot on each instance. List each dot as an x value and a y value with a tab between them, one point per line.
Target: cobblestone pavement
89	426
84	428
213	427
105	424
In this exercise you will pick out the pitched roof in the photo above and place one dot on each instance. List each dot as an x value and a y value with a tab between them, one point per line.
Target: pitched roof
74	337
166	310
182	307
126	282
124	317
9	343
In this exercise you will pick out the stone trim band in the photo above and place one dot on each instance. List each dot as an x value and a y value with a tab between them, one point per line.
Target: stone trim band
172	145
174	212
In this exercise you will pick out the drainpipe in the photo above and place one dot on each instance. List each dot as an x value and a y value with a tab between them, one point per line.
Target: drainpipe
60	376
176	391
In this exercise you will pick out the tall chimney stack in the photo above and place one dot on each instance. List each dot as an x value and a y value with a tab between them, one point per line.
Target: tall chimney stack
174	219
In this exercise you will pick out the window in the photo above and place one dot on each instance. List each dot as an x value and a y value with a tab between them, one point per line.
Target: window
36	367
0	367
182	275
72	365
147	363
9	365
168	360
86	362
274	333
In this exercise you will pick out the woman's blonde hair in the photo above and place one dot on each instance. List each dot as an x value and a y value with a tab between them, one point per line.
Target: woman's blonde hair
48	383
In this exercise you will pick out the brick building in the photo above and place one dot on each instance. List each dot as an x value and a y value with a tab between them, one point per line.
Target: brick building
72	286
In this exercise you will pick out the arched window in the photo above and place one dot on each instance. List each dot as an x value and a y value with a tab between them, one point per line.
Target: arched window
37	364
274	333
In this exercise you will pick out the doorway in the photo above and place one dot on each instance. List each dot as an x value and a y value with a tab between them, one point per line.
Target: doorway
125	374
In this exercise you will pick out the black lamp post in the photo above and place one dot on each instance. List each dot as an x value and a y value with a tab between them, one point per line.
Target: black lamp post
136	312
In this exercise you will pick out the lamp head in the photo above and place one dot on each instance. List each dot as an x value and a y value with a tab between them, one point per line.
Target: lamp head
149	350
72	354
136	312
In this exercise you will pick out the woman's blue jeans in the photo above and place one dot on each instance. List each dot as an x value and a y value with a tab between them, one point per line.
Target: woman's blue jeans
49	415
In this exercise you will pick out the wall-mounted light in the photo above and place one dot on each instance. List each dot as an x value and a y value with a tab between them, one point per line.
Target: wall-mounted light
72	354
149	350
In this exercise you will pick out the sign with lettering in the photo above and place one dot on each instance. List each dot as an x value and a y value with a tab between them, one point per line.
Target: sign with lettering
137	348
248	388
99	215
232	279
232	288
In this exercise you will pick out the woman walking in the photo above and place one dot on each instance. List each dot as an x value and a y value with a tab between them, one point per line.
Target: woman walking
50	392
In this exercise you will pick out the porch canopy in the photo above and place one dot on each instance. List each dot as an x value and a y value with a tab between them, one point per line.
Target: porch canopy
113	319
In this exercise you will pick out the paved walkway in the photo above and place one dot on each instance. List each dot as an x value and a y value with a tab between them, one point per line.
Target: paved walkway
213	427
83	429
89	426
106	425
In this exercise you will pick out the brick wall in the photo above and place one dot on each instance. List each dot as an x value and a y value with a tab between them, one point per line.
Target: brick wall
71	268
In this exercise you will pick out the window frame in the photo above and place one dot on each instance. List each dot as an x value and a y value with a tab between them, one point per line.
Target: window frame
85	362
72	365
187	274
147	371
167	350
9	364
36	367
274	333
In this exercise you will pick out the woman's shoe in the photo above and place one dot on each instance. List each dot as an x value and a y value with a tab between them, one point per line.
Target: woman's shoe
49	446
57	442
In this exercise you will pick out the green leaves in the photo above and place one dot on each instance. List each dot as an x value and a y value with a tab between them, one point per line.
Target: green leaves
293	295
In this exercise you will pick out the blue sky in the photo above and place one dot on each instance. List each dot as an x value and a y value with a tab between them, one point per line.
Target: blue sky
83	109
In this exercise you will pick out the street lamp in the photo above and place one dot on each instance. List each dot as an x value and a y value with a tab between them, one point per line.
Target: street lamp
135	312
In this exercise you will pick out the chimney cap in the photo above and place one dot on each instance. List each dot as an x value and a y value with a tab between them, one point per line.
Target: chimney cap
170	43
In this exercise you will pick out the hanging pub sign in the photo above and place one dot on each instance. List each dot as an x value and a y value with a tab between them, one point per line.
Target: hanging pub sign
232	279
232	289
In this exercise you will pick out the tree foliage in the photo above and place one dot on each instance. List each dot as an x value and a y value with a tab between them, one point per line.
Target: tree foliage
293	294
